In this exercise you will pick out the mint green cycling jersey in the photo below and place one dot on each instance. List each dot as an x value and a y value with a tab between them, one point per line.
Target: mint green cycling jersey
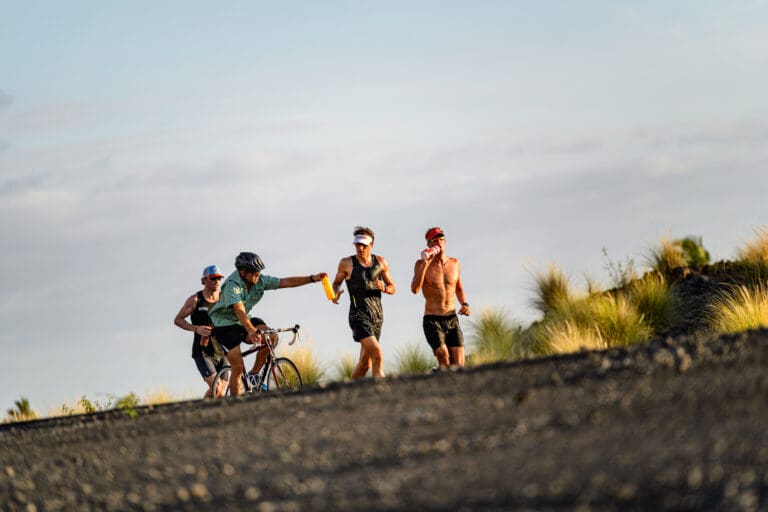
233	290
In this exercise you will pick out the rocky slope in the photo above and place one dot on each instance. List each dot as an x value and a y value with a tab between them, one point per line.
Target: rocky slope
674	424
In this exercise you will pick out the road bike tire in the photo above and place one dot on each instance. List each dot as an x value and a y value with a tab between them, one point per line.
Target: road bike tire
284	376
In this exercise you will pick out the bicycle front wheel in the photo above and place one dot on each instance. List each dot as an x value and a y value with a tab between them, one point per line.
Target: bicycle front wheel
284	376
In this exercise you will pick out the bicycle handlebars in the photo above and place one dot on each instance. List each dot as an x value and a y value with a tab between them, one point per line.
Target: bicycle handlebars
278	330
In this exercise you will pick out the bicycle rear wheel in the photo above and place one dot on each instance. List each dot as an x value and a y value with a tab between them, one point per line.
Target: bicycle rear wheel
284	376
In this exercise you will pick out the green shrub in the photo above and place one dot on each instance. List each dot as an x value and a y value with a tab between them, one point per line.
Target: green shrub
22	412
655	301
344	367
88	406
599	321
413	358
740	308
552	291
128	404
494	338
693	251
618	320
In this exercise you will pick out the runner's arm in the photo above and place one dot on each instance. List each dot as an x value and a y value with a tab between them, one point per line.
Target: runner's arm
342	273
389	284
460	294
184	312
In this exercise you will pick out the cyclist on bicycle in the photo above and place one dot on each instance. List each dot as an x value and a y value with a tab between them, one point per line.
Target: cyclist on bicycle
196	307
242	290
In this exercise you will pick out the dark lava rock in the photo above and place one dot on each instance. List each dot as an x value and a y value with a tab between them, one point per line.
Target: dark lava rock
675	424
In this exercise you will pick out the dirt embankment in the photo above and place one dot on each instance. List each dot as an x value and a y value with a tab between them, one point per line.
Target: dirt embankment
674	424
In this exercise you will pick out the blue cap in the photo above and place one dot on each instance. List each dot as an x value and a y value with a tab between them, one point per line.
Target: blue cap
212	271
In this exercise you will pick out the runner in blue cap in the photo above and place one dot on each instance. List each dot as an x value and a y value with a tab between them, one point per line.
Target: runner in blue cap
208	360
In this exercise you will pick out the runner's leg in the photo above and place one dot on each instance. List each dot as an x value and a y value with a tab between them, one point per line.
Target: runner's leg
363	364
457	355
442	355
235	358
373	349
209	380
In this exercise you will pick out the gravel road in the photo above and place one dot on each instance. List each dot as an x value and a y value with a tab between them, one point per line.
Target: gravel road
676	424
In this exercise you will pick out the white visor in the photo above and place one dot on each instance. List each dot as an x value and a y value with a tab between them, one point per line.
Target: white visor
363	239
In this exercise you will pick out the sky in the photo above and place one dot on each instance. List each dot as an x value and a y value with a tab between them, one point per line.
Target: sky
142	141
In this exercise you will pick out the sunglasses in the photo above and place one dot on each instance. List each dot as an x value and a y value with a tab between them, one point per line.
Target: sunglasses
215	278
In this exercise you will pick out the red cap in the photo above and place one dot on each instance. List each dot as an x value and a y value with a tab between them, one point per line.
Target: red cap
434	233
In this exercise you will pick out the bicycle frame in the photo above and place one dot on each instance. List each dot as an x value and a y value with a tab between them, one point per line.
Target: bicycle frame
268	367
273	368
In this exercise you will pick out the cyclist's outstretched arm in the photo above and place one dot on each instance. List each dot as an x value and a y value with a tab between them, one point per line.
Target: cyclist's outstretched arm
292	282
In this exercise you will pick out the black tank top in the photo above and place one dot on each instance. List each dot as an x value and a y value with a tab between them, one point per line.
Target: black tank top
200	317
364	296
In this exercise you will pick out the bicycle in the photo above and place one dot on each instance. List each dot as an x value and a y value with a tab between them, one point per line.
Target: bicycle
278	373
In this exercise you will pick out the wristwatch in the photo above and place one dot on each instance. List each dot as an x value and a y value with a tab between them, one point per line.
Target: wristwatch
466	304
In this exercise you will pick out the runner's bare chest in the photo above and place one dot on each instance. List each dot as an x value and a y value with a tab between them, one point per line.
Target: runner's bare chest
441	273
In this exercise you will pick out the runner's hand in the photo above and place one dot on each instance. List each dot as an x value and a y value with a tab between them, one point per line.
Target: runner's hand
203	330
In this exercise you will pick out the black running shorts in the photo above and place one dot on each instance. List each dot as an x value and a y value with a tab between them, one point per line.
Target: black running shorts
231	336
210	365
443	330
362	329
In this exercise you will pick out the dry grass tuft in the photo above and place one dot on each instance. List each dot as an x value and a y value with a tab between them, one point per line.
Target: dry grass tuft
740	308
413	358
568	337
494	338
552	292
309	367
655	300
344	368
756	251
666	256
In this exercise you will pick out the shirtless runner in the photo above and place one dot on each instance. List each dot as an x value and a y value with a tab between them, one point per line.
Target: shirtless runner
438	276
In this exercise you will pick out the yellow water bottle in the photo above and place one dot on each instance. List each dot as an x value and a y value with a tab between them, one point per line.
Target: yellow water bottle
328	288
